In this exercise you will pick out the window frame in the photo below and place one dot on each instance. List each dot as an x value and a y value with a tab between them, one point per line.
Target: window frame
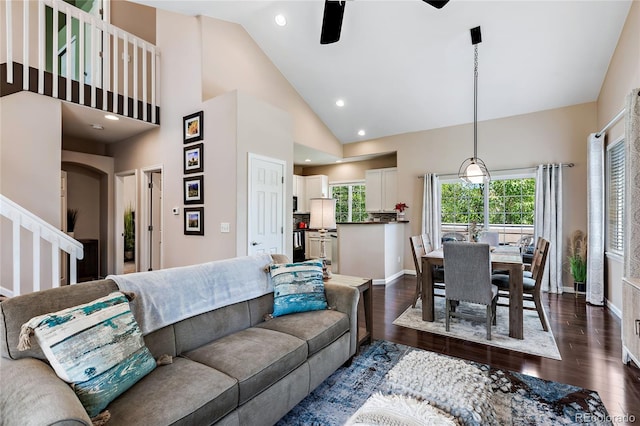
507	176
350	184
617	252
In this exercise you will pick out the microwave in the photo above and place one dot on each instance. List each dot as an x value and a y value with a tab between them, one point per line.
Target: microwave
295	204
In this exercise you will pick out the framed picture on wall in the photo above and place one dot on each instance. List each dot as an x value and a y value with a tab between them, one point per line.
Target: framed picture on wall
194	221
193	159
194	190
193	129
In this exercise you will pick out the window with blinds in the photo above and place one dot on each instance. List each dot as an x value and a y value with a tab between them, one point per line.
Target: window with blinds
615	189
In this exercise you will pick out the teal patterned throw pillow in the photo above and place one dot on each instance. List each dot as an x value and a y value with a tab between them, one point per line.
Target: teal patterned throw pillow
97	347
297	287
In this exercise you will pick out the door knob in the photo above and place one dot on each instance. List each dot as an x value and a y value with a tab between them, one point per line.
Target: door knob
255	243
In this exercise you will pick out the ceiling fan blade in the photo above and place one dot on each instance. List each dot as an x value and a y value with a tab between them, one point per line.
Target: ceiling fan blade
438	4
332	21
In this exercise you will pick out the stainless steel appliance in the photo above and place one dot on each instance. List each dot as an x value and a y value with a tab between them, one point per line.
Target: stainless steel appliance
298	245
295	204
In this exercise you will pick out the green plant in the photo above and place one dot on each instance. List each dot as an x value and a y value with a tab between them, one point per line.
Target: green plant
129	229
72	217
578	256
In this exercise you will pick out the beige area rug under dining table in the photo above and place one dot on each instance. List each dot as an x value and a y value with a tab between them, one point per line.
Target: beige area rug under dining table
536	341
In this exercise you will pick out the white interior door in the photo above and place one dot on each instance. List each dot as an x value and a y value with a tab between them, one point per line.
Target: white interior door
265	205
155	239
64	257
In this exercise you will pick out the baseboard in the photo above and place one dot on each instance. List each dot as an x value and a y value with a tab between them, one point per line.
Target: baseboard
410	272
6	292
387	280
613	308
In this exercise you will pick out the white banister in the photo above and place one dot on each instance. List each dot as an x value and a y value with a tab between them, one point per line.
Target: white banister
109	56
8	16
41	231
25	48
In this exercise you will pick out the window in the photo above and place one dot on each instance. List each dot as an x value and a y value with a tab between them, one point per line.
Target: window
507	207
615	192
350	206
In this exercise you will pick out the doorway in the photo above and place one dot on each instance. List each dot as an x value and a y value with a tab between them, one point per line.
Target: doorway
151	220
265	206
125	223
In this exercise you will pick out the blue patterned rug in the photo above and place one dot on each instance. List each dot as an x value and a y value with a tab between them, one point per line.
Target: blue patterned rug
473	393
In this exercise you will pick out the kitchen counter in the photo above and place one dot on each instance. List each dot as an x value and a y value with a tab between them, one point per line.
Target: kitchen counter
374	223
376	252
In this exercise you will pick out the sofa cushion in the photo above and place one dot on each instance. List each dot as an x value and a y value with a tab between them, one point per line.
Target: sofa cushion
256	357
318	328
16	311
185	392
96	346
297	287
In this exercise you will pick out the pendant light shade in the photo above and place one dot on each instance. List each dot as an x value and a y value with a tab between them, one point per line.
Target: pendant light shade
473	169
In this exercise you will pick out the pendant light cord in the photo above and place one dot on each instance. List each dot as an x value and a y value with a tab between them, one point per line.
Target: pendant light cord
475	104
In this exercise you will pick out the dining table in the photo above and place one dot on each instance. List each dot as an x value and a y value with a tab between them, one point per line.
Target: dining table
507	258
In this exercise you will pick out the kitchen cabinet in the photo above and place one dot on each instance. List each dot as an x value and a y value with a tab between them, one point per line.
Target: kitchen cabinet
631	320
381	189
307	187
299	190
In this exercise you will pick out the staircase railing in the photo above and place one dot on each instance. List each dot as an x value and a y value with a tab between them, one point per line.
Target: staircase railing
40	230
53	36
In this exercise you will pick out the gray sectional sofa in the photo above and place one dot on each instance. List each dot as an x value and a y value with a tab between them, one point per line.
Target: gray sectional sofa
230	366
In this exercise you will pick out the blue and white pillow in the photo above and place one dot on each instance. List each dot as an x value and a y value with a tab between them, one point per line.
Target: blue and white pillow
97	347
297	287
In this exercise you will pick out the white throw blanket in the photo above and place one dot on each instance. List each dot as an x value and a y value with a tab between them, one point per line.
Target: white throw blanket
167	296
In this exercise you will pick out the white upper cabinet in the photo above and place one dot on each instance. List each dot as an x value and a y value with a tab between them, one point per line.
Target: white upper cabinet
307	187
381	189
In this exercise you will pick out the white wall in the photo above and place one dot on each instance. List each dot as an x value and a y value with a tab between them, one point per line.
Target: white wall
30	146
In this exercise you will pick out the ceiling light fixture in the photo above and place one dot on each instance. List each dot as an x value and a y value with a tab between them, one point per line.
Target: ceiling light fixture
473	170
361	133
340	102
307	160
111	117
338	161
281	21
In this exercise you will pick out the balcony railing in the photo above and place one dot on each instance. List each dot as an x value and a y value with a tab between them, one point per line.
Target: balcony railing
56	49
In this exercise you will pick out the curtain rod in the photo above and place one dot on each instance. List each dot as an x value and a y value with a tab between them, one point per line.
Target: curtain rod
520	170
613	121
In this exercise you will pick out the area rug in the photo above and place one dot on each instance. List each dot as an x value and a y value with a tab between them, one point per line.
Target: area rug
536	341
457	391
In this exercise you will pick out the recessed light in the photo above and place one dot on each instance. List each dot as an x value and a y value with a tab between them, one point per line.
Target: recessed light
340	102
111	117
338	161
361	133
96	126
281	20
308	160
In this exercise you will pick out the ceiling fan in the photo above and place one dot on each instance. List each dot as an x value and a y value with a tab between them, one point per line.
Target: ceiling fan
334	12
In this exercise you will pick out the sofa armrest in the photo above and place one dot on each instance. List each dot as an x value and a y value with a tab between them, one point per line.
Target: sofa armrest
345	299
32	394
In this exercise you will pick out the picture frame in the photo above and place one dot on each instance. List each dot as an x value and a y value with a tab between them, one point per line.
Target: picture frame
193	127
193	190
192	159
194	221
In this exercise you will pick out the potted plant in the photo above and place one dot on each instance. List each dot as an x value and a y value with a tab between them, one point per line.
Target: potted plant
129	234
72	217
578	260
400	207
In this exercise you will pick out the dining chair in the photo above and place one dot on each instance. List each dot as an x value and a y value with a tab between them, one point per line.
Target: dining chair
531	281
438	271
467	277
489	237
417	250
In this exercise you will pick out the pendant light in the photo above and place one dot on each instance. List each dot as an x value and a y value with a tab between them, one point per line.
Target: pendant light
473	170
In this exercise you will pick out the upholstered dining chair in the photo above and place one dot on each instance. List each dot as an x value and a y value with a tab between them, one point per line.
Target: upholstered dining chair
531	281
467	278
489	237
438	271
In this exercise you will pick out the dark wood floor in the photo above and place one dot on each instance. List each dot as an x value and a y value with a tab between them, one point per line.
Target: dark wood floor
588	338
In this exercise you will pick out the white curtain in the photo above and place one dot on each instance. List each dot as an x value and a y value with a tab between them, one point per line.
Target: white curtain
595	220
548	222
431	208
632	189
